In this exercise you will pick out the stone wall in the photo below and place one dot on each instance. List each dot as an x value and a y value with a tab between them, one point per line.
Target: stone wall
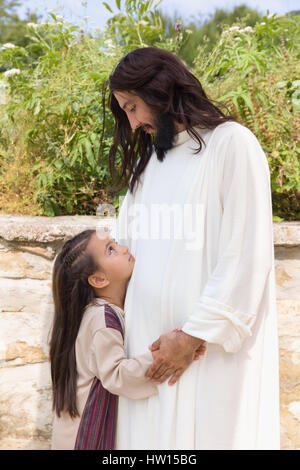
27	249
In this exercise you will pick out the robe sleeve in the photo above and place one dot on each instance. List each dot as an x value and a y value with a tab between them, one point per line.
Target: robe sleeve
233	295
119	375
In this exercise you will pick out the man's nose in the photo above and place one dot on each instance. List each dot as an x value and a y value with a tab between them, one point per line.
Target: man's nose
134	123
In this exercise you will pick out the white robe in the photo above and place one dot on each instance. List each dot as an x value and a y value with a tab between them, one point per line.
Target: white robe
221	289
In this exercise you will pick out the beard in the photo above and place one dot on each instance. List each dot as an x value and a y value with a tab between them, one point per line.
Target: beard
166	132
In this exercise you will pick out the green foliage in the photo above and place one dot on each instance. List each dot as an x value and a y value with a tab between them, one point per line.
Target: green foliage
137	26
12	29
256	73
140	24
55	139
56	105
57	108
207	33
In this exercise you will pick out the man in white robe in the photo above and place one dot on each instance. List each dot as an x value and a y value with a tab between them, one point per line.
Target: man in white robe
200	229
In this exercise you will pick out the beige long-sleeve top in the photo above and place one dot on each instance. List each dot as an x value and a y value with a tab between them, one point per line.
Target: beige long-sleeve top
100	353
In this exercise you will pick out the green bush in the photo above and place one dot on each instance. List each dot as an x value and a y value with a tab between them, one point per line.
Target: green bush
256	73
54	140
56	107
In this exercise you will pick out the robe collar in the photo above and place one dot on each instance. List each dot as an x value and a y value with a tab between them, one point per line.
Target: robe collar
183	136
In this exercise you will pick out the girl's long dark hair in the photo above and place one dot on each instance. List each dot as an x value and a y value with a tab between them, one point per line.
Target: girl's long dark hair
71	294
166	85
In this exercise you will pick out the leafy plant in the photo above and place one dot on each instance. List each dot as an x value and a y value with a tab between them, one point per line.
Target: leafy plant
57	108
138	26
256	72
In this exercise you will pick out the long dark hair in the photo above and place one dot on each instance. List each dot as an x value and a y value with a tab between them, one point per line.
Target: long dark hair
71	294
166	85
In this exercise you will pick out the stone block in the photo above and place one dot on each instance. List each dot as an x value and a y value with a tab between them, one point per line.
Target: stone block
46	252
26	352
290	399
42	229
24	444
286	233
288	318
25	332
24	295
25	402
287	272
19	265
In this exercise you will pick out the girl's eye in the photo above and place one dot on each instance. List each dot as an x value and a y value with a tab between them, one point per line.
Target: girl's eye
110	247
132	109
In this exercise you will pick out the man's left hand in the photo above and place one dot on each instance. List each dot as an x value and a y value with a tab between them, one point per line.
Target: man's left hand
176	351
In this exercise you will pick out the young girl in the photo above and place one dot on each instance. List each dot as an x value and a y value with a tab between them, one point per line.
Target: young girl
89	368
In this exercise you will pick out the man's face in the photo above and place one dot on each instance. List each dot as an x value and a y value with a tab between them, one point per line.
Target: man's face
138	112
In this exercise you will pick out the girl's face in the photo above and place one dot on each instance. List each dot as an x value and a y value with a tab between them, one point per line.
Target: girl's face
115	260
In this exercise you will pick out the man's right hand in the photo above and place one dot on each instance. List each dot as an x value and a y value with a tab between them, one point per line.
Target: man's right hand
176	350
200	352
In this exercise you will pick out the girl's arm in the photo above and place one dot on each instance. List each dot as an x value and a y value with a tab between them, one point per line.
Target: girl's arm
119	375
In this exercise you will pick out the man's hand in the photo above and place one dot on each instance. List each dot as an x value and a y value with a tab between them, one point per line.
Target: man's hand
199	352
176	351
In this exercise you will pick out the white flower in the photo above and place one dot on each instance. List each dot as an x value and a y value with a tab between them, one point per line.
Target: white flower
237	39
109	43
263	23
60	18
248	29
11	73
37	25
8	45
234	28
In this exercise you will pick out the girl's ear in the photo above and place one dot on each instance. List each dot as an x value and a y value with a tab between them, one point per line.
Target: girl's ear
98	281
